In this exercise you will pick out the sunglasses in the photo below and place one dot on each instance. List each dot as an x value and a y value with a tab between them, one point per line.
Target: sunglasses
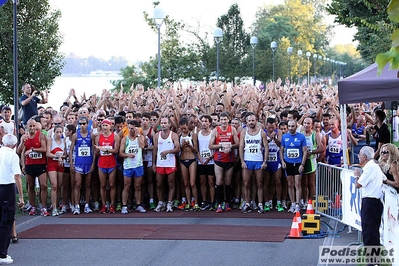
384	152
82	124
100	120
57	124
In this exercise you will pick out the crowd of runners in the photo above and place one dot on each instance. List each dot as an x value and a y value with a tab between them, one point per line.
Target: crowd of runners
195	147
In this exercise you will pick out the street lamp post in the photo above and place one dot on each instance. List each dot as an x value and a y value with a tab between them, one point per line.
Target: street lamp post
159	16
300	66
15	62
289	52
254	42
217	35
273	45
308	56
315	64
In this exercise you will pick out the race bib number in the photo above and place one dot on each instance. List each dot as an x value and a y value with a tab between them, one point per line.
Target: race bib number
133	149
162	157
334	148
225	146
253	149
84	151
206	154
106	153
293	153
58	154
35	155
272	156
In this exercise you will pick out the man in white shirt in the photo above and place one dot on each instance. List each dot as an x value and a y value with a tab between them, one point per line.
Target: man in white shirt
370	181
10	175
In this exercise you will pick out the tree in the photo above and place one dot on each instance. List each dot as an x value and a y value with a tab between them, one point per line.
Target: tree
179	60
131	75
234	46
295	23
371	20
39	61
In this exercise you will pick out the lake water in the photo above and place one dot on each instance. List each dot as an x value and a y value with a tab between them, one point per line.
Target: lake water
85	84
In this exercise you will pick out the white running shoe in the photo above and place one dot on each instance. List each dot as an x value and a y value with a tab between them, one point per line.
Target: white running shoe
140	209
169	207
124	210
87	209
76	210
6	260
63	209
292	208
159	207
297	208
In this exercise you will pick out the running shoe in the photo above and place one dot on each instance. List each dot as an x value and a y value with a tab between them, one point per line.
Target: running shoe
279	207
44	212
182	205
112	209
71	207
284	204
175	203
87	209
76	210
32	211
103	209
6	260
118	207
27	207
212	206
152	205
140	209
219	209
124	210
260	208
197	208
253	205
54	212
204	206
227	207
297	208
241	204
302	205
267	207
271	204
159	207
292	208
187	207
169	206
64	209
246	208
96	206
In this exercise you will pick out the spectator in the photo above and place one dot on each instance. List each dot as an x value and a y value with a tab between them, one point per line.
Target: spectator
29	101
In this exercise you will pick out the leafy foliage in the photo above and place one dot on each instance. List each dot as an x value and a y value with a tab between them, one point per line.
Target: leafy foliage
294	23
234	46
392	56
372	22
39	60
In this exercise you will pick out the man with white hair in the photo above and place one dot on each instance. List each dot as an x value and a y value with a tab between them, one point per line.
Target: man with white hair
9	177
370	181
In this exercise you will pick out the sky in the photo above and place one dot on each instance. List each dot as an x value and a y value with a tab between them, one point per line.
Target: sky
104	28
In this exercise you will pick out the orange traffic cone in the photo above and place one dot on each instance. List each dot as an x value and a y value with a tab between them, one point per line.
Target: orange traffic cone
299	220
309	209
294	232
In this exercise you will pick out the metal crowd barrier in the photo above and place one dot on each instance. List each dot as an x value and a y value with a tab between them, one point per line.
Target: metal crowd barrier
328	191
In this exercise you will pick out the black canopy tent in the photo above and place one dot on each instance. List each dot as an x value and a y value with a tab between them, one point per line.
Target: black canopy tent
367	86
